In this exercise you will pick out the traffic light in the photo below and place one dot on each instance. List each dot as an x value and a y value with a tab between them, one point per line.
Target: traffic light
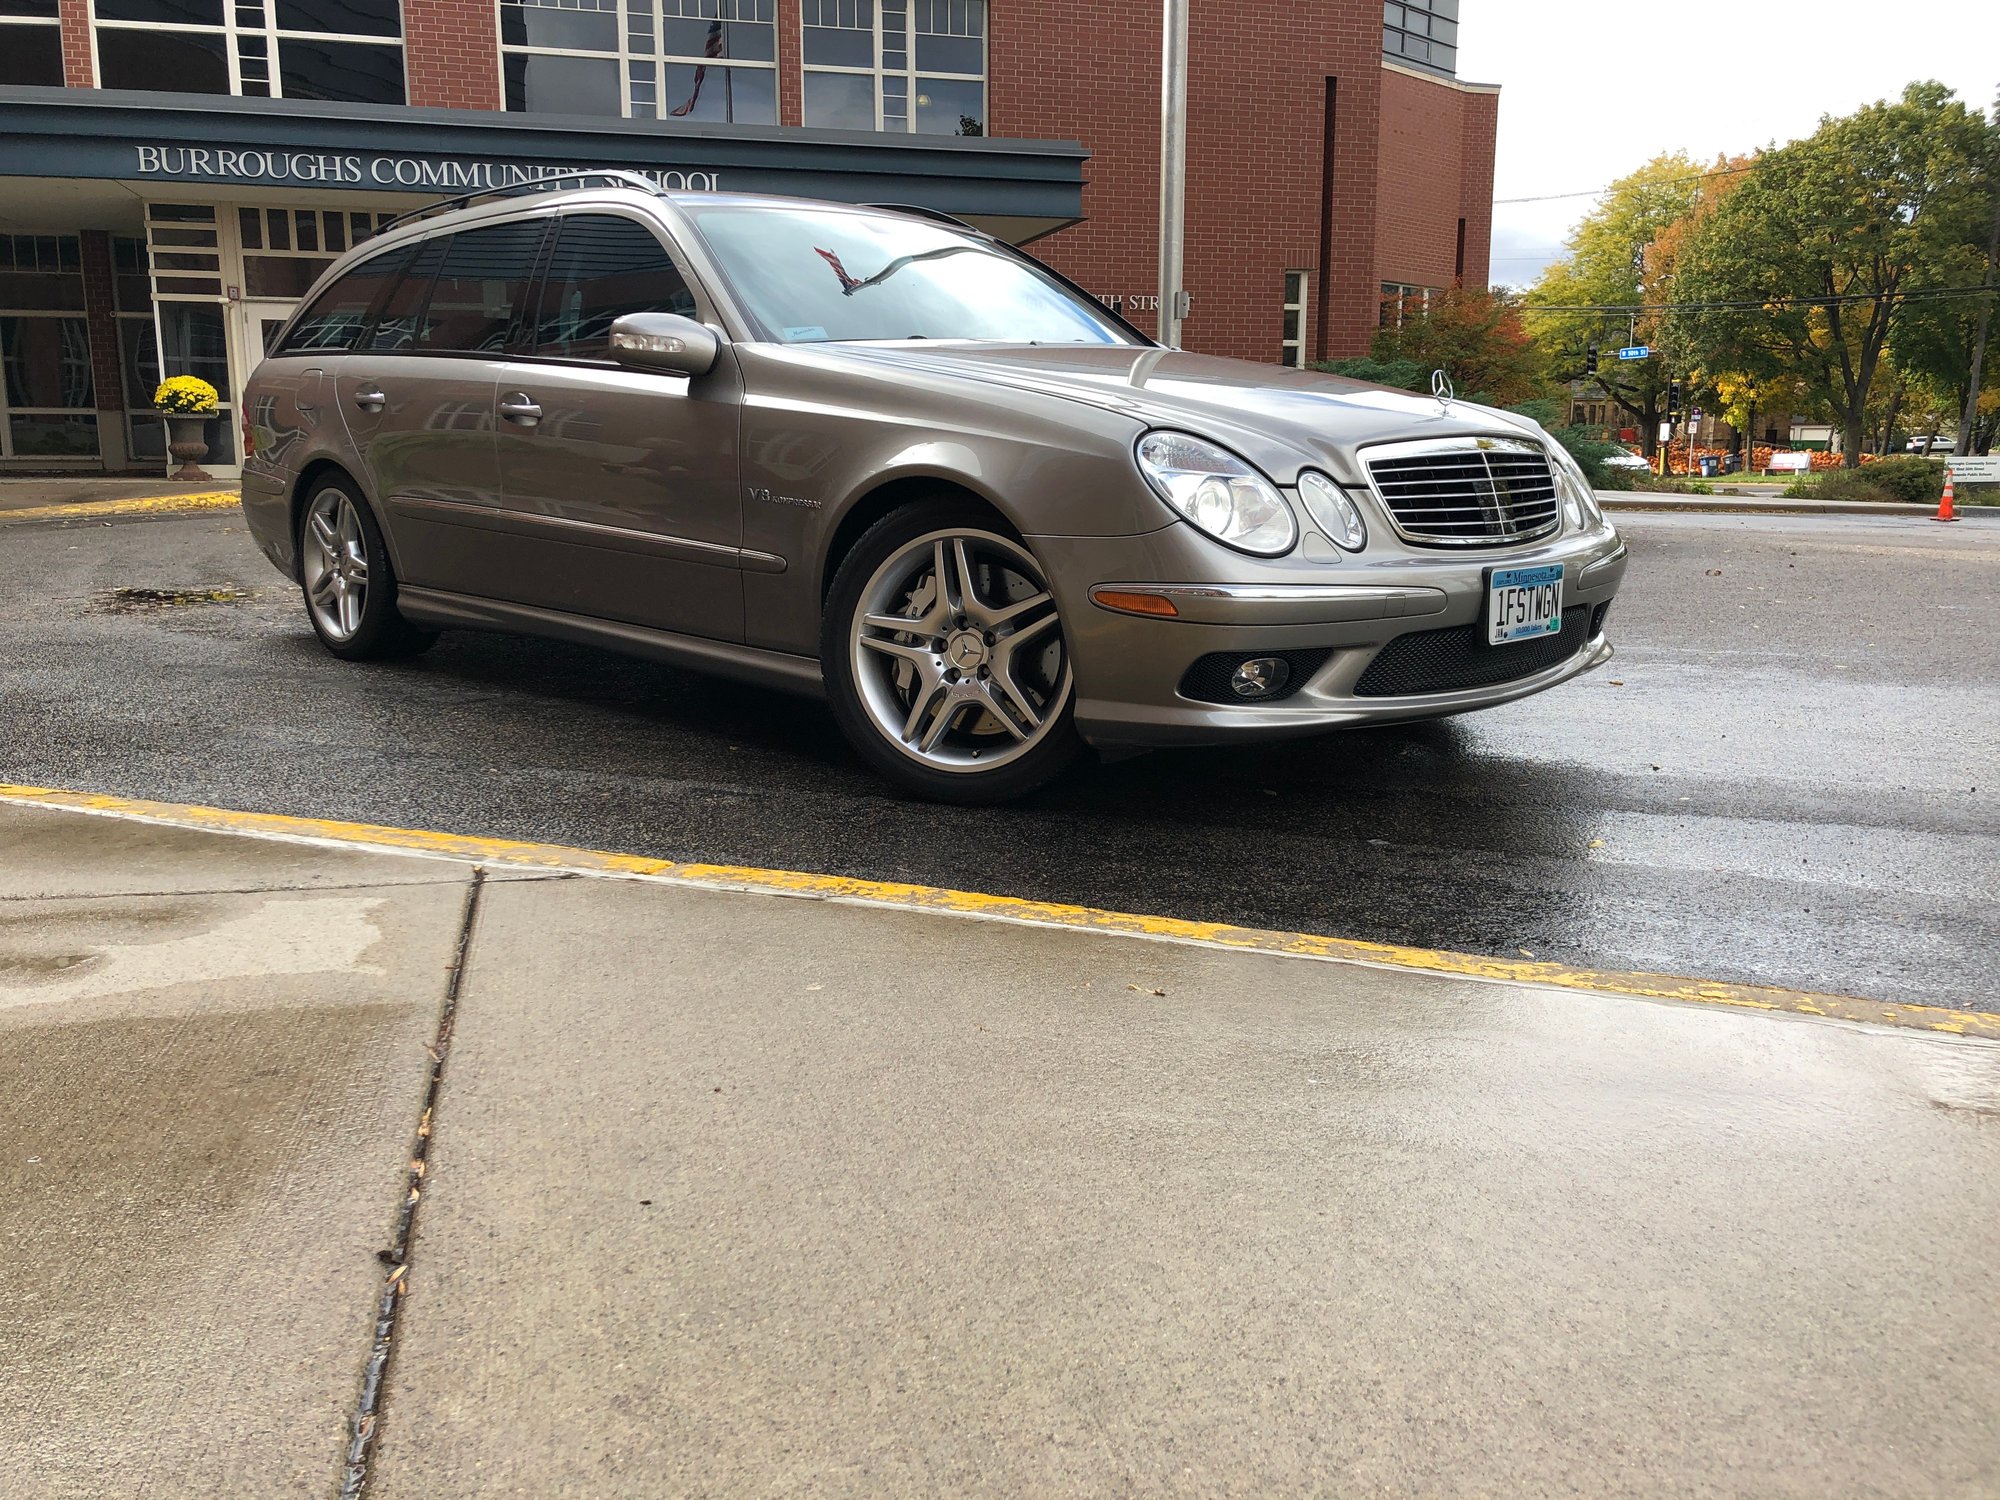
1590	360
1673	399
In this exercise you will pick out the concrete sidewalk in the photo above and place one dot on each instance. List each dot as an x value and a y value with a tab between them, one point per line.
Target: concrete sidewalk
732	1194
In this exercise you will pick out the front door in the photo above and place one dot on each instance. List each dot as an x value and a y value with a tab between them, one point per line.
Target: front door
621	485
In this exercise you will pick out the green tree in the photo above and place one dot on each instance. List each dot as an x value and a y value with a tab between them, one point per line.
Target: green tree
1868	208
1618	257
1476	337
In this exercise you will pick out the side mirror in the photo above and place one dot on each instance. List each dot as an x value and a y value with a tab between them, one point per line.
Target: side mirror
664	341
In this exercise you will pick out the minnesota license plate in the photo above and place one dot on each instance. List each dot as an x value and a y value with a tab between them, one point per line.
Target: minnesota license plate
1523	604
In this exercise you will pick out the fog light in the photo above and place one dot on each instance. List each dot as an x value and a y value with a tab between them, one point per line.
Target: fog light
1260	677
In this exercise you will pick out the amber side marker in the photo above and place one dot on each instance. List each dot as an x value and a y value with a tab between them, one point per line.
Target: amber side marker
1135	604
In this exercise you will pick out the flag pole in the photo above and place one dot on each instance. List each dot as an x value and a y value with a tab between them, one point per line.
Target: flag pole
1173	168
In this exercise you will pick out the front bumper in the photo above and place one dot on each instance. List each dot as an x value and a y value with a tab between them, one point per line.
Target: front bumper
1132	671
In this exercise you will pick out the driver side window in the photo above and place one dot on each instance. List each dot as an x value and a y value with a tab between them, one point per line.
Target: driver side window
604	266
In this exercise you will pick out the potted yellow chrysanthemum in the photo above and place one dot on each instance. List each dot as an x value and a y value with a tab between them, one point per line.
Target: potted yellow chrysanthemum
185	403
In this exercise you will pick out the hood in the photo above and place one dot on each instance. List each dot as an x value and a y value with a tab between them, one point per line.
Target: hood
1280	419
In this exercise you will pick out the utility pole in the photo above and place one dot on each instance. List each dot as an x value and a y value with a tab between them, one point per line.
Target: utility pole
1969	423
1173	169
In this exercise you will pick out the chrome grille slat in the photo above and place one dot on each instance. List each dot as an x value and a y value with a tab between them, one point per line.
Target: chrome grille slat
1467	492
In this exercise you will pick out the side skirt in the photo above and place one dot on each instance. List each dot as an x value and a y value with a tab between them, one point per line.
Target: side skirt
774	669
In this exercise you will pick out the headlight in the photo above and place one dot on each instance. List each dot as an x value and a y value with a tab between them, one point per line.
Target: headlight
1218	492
1579	500
1328	505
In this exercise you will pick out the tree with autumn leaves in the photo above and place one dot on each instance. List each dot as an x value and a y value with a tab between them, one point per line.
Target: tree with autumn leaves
1826	276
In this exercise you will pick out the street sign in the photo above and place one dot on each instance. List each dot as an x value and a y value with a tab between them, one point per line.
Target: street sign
1636	351
1666	432
1973	470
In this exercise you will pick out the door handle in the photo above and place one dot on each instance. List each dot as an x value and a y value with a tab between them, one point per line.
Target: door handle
368	398
520	408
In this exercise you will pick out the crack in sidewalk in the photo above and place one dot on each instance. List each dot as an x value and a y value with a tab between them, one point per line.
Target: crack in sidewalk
368	1406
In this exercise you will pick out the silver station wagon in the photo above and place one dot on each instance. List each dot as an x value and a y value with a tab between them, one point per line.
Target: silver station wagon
875	454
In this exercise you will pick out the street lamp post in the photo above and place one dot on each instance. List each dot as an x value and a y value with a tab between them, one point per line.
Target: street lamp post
1173	168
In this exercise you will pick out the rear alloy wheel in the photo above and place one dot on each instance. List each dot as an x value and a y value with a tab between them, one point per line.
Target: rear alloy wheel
349	585
946	657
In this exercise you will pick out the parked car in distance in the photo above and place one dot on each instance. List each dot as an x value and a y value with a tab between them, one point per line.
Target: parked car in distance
1624	459
1931	447
874	454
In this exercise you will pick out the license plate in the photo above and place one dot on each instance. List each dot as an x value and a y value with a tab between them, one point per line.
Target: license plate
1523	604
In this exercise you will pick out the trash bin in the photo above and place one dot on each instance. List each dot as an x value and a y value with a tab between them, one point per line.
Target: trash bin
1731	462
1710	466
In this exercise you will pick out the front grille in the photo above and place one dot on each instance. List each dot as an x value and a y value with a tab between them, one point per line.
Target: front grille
1480	492
1207	681
1446	661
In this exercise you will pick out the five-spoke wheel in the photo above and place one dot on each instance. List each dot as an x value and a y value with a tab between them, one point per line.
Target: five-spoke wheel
945	654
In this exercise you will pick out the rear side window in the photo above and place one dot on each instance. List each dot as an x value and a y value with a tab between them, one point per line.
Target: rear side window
481	290
604	267
338	314
396	324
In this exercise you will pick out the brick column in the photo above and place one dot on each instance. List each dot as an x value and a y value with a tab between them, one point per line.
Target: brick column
77	70
100	308
791	74
451	54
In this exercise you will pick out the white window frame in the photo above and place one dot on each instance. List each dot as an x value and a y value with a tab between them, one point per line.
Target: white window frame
231	30
907	74
635	61
1295	348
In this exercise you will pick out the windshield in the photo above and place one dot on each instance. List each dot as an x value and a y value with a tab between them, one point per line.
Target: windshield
811	275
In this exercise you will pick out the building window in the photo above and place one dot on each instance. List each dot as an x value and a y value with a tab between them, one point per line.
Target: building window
1401	302
1424	33
1292	349
643	59
285	249
31	43
903	65
346	50
48	396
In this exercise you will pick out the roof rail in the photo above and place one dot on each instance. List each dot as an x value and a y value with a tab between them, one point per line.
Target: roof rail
612	176
937	214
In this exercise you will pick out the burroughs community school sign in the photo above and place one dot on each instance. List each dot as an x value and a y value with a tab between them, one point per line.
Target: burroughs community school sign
348	169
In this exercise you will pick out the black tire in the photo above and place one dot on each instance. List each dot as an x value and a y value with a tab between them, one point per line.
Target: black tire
1053	743
375	630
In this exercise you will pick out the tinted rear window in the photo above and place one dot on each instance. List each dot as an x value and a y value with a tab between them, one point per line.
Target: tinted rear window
396	325
338	314
482	289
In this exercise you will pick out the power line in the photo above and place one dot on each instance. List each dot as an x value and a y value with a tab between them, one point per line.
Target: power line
1760	304
1595	193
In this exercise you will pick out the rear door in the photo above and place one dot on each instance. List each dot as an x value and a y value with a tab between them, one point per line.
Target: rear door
418	397
620	484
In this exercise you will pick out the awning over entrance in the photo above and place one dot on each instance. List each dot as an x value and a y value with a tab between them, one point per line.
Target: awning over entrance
1019	189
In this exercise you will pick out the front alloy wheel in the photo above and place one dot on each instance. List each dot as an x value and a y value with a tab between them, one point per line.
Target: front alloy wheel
952	657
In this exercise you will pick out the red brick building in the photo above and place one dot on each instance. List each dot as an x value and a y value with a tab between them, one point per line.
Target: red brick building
174	172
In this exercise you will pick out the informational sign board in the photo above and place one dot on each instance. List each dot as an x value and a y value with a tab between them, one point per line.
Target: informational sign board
1636	351
1666	432
1974	470
1789	463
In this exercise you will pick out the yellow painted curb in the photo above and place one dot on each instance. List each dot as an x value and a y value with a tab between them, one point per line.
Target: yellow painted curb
137	505
519	854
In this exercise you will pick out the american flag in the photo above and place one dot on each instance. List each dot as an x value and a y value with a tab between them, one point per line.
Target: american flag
711	48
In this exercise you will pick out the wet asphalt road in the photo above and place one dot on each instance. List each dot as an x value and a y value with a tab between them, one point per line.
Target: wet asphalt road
1790	775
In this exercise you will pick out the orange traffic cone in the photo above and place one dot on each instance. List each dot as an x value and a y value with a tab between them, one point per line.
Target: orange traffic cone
1945	512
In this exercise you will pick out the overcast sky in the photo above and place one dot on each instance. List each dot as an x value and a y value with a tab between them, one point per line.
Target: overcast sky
1591	92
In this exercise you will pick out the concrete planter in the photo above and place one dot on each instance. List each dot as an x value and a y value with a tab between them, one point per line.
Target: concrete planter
187	441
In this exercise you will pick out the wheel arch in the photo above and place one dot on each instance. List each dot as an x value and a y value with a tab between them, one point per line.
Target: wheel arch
315	471
888	496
